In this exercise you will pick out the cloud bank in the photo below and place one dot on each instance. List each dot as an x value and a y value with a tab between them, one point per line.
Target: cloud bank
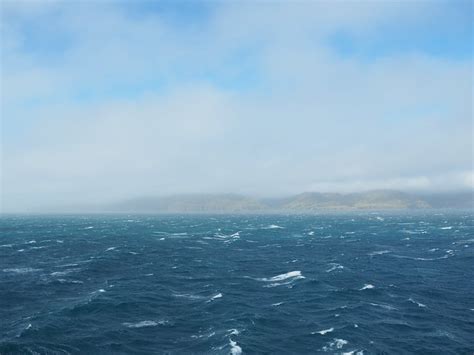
103	101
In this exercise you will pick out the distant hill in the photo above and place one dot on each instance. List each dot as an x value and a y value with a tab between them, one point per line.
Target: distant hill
302	203
381	199
190	203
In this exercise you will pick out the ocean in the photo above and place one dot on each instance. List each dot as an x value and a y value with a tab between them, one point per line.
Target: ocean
352	283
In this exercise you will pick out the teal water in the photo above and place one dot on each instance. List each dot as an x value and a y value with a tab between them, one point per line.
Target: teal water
343	283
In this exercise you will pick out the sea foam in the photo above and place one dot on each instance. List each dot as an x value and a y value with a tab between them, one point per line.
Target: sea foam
145	323
324	331
234	348
292	274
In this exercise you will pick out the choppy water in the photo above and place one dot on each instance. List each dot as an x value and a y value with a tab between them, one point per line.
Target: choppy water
349	283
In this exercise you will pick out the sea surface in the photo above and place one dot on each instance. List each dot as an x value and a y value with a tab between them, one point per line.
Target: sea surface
353	283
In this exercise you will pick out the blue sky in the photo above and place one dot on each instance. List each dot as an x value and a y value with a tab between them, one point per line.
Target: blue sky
269	98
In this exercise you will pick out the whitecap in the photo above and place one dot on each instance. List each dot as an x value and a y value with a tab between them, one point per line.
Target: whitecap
275	284
188	296
367	287
144	323
380	252
324	331
234	332
335	344
334	266
219	295
6	246
68	265
292	274
234	348
380	218
90	227
277	304
64	281
111	248
274	226
417	303
446	228
311	233
21	270
422	259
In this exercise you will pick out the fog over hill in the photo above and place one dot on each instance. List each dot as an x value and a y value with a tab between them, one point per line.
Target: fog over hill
307	202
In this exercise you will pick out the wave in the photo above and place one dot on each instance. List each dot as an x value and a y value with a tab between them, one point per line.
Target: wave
219	295
335	344
367	287
60	273
21	270
235	235
274	226
384	306
189	296
288	279
234	348
380	252
417	303
324	331
144	323
334	267
64	281
292	274
423	259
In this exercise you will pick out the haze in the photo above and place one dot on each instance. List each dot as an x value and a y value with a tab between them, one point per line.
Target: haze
103	101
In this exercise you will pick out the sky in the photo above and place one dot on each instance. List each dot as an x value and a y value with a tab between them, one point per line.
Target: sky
106	100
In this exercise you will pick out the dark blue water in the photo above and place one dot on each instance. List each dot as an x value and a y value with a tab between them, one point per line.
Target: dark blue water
360	283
